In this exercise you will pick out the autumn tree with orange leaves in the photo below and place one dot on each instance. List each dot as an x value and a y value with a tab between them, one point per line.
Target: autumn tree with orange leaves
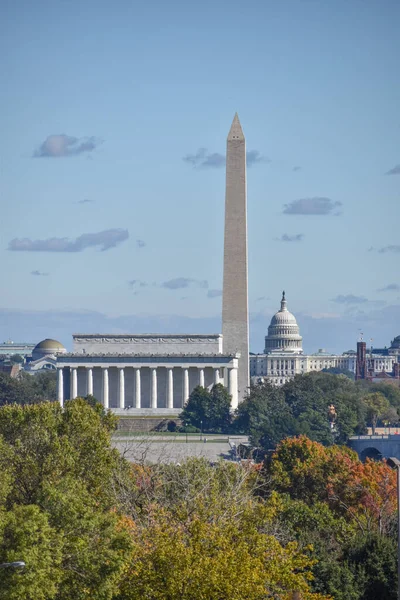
345	509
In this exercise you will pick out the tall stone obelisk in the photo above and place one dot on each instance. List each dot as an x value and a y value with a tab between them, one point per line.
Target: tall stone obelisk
235	312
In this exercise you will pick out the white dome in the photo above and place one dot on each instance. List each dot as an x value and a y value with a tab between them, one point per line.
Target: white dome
283	332
283	317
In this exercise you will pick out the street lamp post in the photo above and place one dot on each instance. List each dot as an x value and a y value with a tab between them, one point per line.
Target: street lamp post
201	430
394	462
12	565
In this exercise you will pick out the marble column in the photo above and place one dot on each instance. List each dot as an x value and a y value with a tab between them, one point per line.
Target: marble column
105	388
170	389
89	375
233	387
138	391
74	383
201	377
216	376
185	385
60	386
154	388
121	403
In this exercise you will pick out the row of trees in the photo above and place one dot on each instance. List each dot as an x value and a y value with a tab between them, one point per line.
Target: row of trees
89	525
268	414
28	389
344	509
300	407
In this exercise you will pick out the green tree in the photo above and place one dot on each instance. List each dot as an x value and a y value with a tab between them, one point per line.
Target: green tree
208	410
61	463
373	560
377	408
16	358
10	390
265	416
339	371
26	534
300	407
317	525
28	389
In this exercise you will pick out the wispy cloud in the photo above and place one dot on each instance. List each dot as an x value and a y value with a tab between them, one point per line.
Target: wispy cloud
254	157
350	299
312	206
394	171
391	248
298	237
106	239
138	282
204	159
392	287
39	274
140	243
184	282
61	145
214	293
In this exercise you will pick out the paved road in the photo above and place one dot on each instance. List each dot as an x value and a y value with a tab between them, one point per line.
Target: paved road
166	449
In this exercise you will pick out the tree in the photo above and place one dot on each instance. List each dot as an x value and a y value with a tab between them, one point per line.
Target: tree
373	560
377	408
363	492
201	533
208	410
301	407
10	390
338	504
59	464
265	416
25	533
28	389
339	371
16	358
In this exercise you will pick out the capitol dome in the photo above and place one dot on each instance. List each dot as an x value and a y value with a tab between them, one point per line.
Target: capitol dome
46	347
283	332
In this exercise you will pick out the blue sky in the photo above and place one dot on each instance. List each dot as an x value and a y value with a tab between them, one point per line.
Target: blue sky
114	119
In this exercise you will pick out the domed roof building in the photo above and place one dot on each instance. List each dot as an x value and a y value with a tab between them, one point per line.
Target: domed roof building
283	332
395	346
47	347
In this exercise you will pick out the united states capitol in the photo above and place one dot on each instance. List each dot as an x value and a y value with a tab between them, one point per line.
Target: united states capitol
283	356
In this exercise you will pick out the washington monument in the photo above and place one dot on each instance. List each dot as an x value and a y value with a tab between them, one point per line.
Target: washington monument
235	312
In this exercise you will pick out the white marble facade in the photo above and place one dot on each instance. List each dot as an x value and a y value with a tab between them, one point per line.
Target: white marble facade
116	370
280	367
283	356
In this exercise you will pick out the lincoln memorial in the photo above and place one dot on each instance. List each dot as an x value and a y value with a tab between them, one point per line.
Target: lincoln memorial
147	373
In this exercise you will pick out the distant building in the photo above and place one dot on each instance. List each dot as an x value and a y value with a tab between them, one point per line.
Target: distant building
10	368
283	356
380	365
44	356
9	348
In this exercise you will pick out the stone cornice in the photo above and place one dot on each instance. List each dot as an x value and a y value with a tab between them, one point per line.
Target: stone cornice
154	338
84	355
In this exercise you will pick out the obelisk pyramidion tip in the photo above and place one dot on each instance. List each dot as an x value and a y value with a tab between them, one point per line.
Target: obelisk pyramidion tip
236	131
